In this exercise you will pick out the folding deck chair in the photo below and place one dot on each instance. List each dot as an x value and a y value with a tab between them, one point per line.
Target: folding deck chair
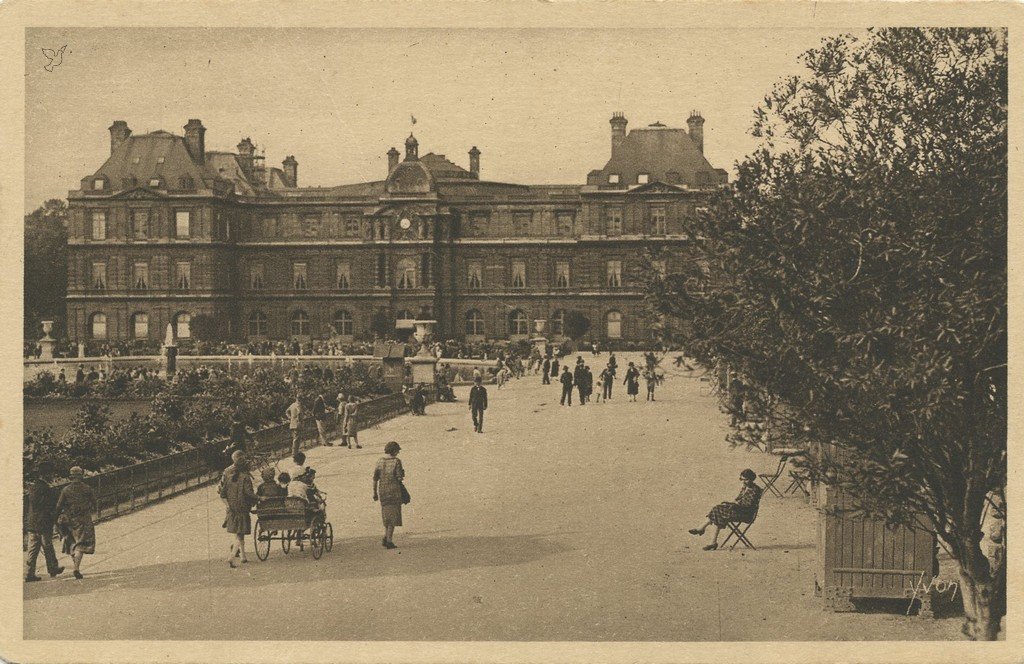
797	483
738	529
769	480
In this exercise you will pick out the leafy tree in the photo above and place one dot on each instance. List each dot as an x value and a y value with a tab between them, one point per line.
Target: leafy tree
46	267
860	276
576	325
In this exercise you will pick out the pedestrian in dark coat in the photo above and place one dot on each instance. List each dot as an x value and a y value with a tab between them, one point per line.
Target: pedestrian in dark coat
40	515
478	404
566	381
579	377
632	382
588	379
75	507
607	378
554	367
546	374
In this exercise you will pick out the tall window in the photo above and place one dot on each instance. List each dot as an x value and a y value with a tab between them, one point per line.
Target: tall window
382	270
405	274
140	276
562	274
183	325
183	276
98	326
257	324
300	324
614	274
521	223
299	281
518	323
256	280
99	275
658	220
140	326
474	275
99	225
564	223
518	274
182	223
140	224
558	323
613	324
343	276
342	323
474	323
613	220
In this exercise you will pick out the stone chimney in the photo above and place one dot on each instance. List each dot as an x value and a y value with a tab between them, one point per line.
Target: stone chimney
246	155
618	123
696	125
195	140
412	148
291	170
474	162
393	156
119	133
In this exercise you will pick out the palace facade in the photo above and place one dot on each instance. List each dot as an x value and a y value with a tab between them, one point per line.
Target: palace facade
166	230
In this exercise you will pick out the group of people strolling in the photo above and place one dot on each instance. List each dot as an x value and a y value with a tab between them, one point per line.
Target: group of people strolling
71	512
582	378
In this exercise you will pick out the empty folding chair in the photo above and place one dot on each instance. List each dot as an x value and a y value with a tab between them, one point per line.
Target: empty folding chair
769	480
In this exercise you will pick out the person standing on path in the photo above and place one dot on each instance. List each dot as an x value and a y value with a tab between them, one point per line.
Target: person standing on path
388	477
294	415
651	379
239	497
40	514
478	404
342	401
546	372
607	378
352	422
632	382
579	378
320	416
554	366
75	506
588	380
566	381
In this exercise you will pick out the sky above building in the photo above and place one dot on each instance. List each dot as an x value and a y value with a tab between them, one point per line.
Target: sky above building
536	102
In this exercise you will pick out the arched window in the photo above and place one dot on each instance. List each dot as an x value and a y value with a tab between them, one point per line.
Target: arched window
183	325
558	323
518	323
140	326
257	324
342	323
98	326
474	323
300	324
405	274
613	325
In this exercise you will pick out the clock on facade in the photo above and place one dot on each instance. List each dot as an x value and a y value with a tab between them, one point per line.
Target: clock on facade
405	223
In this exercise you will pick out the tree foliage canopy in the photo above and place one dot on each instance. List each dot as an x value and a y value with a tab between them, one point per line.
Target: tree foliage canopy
860	263
46	268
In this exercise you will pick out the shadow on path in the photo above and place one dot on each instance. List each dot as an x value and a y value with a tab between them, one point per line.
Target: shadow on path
357	558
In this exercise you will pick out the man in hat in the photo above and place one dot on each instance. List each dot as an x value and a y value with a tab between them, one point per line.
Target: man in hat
76	504
566	381
40	513
294	415
478	404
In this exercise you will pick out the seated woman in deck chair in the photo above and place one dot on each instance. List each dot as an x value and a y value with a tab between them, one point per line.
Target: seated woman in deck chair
743	509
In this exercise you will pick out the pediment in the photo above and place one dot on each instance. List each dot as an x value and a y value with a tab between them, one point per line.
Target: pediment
139	194
656	187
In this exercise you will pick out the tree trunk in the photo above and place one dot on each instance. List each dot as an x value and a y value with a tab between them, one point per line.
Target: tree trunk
982	589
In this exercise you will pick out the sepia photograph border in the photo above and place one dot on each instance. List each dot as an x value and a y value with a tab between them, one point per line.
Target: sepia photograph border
18	15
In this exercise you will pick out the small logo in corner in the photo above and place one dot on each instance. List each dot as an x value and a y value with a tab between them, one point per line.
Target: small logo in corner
55	57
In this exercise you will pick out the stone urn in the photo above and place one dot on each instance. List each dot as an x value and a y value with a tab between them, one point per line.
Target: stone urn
47	343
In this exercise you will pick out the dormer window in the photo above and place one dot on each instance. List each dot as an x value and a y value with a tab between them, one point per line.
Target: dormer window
643	178
186	183
98	184
159	160
613	178
154	182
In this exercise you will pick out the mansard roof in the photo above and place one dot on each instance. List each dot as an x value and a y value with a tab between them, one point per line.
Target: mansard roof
663	153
